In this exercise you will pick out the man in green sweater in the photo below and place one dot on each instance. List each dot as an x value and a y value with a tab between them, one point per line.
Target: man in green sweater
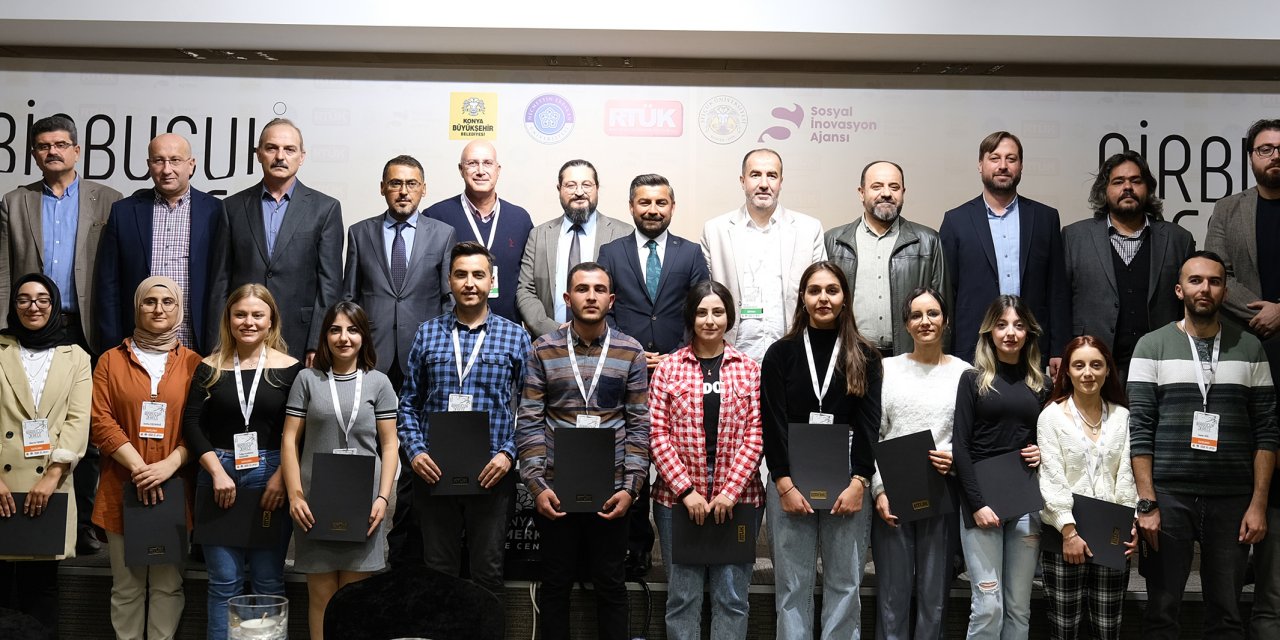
1203	437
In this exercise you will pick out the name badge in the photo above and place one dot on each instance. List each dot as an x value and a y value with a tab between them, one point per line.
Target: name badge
588	422
460	401
821	418
152	423
752	307
345	452
246	450
35	438
493	293
1204	431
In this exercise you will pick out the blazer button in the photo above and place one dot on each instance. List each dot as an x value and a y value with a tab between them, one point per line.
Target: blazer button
653	317
8	467
269	274
9	435
39	470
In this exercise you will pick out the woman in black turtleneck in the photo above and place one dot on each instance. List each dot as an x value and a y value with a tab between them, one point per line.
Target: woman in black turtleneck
997	405
789	393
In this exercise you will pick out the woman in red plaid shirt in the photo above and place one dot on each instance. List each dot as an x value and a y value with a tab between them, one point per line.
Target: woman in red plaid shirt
704	403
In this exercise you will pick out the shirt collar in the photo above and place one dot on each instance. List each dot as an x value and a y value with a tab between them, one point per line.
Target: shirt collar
587	227
893	227
288	195
642	239
1012	208
389	221
1111	227
165	201
780	214
730	354
574	340
472	210
454	323
72	190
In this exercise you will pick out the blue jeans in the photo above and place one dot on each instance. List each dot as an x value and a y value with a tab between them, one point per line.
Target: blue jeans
227	565
796	540
685	583
1002	564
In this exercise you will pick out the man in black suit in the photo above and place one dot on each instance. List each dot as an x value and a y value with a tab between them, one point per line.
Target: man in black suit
398	270
286	236
1001	243
1122	264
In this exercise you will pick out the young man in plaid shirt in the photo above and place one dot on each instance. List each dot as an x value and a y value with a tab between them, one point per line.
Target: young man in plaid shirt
467	359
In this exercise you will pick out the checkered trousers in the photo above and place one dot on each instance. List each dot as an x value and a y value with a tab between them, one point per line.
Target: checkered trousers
1074	589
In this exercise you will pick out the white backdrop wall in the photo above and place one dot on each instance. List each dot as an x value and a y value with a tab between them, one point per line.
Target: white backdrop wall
691	127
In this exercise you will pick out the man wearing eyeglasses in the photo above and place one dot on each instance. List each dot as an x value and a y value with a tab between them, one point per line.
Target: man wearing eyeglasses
556	246
288	237
52	226
398	270
479	214
1245	231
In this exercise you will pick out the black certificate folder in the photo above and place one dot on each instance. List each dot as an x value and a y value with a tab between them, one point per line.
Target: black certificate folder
583	469
915	489
246	524
1105	527
341	496
1009	486
731	542
156	534
819	462
43	535
460	447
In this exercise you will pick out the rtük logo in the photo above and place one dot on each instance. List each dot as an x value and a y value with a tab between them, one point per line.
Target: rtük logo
825	124
644	118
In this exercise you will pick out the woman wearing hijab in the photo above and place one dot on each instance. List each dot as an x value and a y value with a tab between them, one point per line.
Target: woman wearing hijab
139	392
45	390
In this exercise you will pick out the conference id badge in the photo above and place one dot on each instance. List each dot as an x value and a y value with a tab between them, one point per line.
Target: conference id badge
1204	431
816	417
493	291
152	423
752	307
35	438
588	422
246	450
345	452
460	401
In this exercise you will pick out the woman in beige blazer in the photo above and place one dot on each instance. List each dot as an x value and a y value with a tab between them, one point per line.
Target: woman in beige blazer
45	393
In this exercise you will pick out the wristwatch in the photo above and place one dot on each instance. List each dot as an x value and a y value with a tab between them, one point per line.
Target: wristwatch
866	484
1147	506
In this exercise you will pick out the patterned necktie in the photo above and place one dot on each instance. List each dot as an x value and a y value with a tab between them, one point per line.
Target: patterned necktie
652	270
575	248
399	262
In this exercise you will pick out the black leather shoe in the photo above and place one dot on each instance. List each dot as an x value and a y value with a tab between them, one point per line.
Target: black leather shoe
87	542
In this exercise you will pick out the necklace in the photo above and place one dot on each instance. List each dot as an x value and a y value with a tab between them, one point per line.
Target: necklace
1094	427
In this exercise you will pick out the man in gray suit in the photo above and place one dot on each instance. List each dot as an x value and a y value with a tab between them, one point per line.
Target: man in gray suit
557	245
52	227
1122	264
1245	231
398	270
286	236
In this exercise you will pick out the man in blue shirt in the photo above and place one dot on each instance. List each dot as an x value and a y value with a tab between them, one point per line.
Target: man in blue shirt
467	359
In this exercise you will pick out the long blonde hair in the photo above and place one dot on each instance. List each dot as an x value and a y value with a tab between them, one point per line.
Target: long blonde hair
223	353
985	360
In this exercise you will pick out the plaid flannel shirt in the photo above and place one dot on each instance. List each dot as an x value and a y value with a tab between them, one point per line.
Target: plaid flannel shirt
678	438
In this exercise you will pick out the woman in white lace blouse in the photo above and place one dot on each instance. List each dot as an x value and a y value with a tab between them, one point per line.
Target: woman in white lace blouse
1084	448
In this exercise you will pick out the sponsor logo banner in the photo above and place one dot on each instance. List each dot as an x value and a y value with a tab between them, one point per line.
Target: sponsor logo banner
473	116
644	118
722	119
825	123
548	118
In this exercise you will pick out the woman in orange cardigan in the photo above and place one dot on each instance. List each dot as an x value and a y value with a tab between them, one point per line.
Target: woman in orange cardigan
149	367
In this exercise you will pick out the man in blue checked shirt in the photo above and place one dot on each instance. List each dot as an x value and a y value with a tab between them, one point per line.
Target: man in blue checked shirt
465	360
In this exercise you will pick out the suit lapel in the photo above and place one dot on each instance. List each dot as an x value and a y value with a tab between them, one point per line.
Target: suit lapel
1159	245
1249	207
373	235
1026	226
251	209
11	369
982	231
58	379
788	241
33	211
142	219
1102	246
633	260
298	212
674	245
88	206
551	243
417	254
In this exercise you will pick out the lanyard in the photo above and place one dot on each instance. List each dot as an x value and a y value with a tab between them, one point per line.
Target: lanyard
246	405
154	372
595	379
472	211
471	361
45	359
1093	450
820	391
1213	362
355	403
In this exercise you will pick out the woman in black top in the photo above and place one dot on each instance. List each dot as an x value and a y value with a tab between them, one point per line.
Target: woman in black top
232	424
839	384
997	405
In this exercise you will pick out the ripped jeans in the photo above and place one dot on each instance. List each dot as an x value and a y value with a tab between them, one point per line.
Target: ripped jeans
1002	564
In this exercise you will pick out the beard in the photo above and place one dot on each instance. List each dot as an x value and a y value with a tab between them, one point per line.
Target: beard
577	215
1267	178
886	211
990	184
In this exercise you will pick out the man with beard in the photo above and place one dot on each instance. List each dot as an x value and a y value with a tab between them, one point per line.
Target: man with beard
1202	436
556	246
1000	243
1122	264
1245	230
775	245
898	256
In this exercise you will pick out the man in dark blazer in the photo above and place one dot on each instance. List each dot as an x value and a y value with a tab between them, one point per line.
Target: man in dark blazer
1001	243
544	267
286	236
147	234
398	299
1123	262
654	317
478	214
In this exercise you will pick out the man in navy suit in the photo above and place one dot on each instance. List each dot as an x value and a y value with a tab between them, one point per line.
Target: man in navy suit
170	230
1000	243
479	214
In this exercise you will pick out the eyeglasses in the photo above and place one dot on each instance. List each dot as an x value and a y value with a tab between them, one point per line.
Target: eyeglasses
474	165
571	187
167	304
1266	150
411	185
44	147
40	303
160	163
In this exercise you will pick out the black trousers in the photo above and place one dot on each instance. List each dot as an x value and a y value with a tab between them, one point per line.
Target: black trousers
31	586
574	545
